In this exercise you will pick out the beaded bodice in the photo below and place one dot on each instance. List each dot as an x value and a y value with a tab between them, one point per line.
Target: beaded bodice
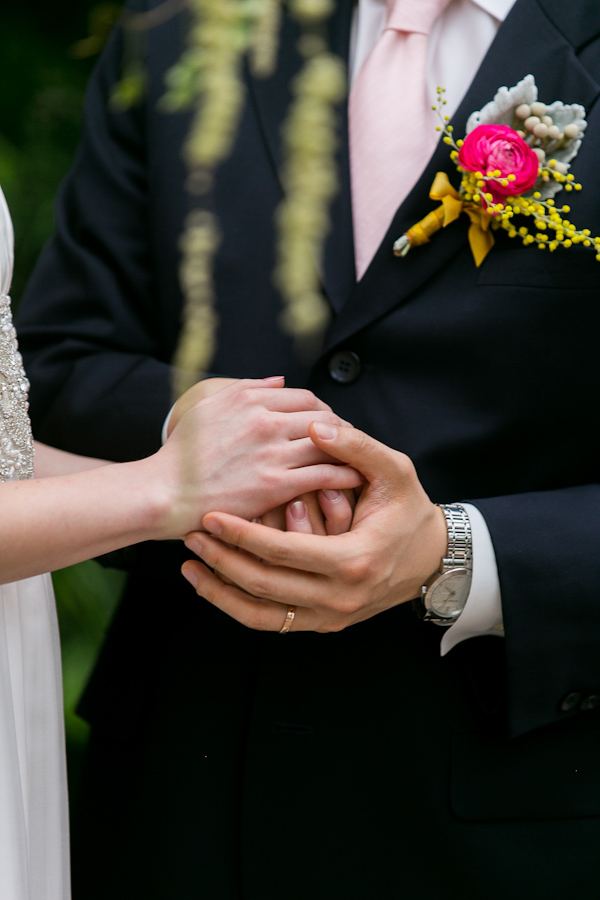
16	443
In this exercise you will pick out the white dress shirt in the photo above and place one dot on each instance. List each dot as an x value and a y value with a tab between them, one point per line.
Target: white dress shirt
459	40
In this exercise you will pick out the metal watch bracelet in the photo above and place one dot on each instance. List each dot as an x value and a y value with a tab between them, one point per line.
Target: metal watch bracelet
459	535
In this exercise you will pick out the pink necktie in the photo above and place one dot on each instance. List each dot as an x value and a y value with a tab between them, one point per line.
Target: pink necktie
391	123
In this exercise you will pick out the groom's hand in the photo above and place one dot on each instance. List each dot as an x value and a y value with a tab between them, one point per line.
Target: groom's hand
396	542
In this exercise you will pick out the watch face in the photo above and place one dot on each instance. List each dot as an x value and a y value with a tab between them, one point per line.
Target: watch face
449	595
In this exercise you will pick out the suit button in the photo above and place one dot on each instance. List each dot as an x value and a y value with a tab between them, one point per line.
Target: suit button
344	367
590	702
571	701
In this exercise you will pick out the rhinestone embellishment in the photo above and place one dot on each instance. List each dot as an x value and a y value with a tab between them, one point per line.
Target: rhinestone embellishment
16	442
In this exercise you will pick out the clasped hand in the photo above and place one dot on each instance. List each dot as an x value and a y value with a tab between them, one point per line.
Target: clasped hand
244	449
395	543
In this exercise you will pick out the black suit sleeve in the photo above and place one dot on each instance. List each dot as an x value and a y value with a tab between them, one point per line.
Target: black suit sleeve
547	543
547	551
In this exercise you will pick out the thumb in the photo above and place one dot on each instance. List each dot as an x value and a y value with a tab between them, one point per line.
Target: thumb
374	460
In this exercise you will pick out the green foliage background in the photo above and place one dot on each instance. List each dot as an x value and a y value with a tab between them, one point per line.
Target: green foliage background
41	96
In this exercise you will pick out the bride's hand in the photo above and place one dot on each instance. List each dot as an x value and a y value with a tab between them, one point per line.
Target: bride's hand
245	449
200	391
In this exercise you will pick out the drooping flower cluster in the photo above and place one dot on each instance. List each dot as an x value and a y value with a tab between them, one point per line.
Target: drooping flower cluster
209	77
309	177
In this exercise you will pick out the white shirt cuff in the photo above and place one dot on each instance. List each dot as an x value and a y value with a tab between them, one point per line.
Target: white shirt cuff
483	611
165	429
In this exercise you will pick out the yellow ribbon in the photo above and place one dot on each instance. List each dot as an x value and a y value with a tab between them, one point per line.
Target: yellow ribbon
481	239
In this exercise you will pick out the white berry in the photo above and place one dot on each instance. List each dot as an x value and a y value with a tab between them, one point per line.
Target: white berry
571	131
531	122
538	109
523	111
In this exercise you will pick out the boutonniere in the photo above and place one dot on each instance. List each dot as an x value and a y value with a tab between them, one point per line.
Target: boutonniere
513	161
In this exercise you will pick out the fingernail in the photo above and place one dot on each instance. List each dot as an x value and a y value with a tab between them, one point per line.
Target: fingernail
274	378
190	576
324	431
194	545
212	525
298	510
334	496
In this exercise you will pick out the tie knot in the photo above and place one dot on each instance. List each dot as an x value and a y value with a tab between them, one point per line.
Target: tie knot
414	15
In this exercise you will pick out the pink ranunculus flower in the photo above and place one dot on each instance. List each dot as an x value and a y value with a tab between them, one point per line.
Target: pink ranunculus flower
498	147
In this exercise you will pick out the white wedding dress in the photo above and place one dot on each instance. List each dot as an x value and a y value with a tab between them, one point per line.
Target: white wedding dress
34	857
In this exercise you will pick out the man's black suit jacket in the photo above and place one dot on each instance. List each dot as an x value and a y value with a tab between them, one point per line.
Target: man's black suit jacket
227	763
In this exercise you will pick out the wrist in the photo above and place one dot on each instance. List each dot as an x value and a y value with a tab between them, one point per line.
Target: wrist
428	549
439	545
156	498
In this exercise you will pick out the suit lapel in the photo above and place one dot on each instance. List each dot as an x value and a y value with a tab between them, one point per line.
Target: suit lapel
514	53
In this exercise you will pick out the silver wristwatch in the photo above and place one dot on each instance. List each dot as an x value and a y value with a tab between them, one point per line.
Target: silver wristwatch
444	594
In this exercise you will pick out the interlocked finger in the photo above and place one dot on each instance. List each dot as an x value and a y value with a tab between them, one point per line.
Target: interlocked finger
300	452
294	425
253	612
252	575
305	552
338	509
285	399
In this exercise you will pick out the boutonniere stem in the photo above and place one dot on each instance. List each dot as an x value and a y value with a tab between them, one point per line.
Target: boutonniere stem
481	239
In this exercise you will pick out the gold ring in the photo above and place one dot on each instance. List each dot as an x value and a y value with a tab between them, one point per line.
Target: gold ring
288	620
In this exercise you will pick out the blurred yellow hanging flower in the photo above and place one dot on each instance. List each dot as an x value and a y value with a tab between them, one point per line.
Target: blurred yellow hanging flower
208	77
264	41
310	181
101	21
309	175
197	339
